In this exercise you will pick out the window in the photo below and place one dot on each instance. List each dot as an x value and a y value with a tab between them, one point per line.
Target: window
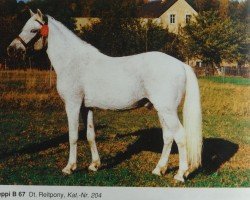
188	18
172	18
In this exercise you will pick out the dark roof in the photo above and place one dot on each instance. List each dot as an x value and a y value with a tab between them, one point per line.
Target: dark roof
155	9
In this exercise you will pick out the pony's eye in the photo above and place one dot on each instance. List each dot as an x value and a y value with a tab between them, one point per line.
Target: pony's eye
34	31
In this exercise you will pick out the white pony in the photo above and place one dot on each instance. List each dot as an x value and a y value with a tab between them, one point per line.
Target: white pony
86	75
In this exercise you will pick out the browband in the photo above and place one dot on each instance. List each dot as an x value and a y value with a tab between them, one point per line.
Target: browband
39	22
45	20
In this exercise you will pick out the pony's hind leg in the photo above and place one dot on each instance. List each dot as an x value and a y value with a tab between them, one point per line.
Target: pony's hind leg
167	139
172	129
95	164
180	139
72	110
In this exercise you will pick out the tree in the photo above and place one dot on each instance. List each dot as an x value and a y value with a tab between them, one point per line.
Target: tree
122	35
239	10
116	37
61	10
114	8
213	39
160	39
119	32
12	19
8	7
204	5
224	8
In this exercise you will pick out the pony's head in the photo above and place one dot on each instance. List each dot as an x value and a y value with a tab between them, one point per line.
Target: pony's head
34	34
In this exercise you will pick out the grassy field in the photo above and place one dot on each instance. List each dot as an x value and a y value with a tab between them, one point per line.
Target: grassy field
232	80
34	139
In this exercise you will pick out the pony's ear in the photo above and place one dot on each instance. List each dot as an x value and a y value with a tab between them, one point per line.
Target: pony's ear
31	13
40	14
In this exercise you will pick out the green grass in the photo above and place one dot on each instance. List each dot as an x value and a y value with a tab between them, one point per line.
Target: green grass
121	177
36	150
230	80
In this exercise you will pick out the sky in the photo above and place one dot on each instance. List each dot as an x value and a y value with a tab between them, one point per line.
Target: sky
22	0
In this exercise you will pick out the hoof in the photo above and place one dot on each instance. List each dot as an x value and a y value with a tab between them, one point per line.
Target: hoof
69	169
186	174
179	178
94	166
66	171
159	171
156	171
163	170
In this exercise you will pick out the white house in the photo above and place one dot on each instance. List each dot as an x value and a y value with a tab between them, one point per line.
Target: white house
169	14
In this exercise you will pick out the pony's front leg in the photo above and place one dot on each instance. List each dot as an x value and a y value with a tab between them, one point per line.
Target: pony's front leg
95	164
72	110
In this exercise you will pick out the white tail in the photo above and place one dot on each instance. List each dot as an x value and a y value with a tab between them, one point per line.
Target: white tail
192	119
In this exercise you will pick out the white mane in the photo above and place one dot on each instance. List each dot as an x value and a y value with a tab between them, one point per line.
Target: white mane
70	38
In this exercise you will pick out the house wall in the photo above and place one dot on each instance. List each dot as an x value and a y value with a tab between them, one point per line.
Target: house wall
181	8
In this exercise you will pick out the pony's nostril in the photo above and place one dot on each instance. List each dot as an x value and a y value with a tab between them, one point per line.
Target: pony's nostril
20	52
10	50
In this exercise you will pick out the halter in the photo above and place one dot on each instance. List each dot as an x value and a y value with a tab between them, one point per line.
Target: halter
41	33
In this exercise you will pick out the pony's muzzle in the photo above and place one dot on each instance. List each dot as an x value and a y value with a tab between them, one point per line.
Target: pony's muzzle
13	51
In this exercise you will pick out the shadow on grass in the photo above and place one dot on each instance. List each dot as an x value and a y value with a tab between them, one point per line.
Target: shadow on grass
36	147
44	145
216	151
